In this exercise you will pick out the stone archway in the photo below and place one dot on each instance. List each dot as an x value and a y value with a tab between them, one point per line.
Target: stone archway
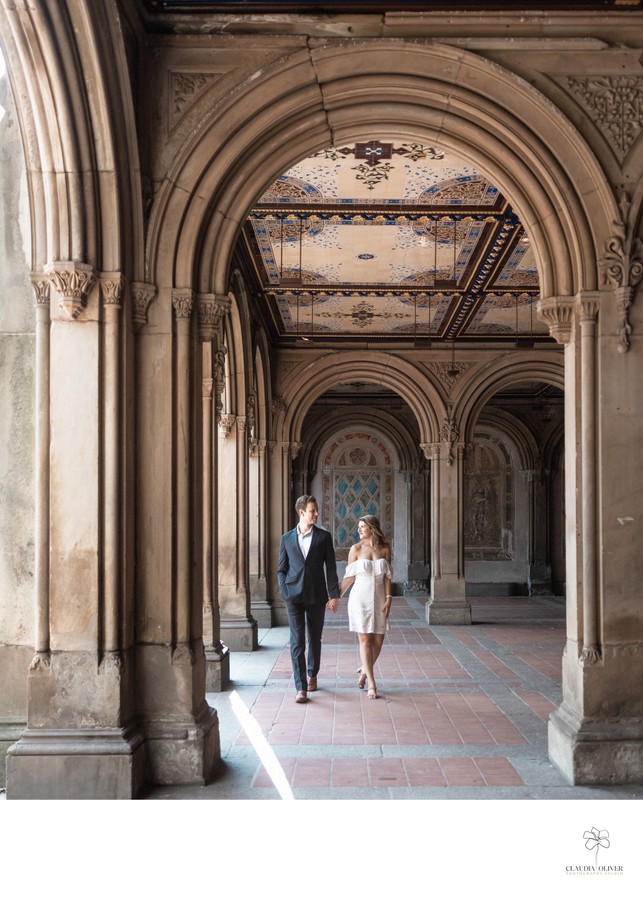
314	94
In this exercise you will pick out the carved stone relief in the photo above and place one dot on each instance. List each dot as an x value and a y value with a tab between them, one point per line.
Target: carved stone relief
444	372
615	105
488	500
184	90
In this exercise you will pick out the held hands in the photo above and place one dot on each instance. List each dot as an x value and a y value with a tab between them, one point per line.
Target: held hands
333	605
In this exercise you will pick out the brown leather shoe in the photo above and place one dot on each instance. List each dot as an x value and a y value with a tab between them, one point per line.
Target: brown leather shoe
301	697
312	684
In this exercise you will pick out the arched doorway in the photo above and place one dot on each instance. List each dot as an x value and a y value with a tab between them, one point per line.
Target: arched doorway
514	510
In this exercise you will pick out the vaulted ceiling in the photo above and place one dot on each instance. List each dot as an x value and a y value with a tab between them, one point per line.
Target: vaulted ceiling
386	240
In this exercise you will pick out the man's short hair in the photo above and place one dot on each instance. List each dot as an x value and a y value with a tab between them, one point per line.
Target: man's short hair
302	503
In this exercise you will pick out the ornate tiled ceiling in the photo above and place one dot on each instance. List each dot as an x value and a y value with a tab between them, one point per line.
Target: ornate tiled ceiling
387	240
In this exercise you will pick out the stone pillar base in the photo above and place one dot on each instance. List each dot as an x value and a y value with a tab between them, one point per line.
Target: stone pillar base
447	613
261	613
596	752
539	580
76	764
10	732
217	668
183	752
239	635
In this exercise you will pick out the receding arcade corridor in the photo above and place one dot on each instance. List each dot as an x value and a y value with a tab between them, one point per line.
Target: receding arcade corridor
462	715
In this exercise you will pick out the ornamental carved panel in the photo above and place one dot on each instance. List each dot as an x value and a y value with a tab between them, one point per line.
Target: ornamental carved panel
615	105
489	500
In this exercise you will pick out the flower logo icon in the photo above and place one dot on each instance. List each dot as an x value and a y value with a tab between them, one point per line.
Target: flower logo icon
595	839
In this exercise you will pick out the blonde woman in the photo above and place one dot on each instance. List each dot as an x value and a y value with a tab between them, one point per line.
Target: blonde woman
369	603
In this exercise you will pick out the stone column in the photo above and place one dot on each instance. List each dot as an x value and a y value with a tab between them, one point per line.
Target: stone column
595	736
418	520
261	609
212	310
181	730
281	514
238	627
448	604
90	747
539	573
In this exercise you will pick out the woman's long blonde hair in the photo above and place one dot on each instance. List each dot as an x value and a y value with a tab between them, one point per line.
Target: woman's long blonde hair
377	535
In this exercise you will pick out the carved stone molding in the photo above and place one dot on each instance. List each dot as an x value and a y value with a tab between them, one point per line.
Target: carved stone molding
40	663
444	372
182	302
588	306
41	285
278	407
73	281
207	387
431	451
142	295
183	655
295	449
226	423
185	89
590	656
111	665
615	105
449	433
211	311
622	268
558	312
111	288
219	377
251	403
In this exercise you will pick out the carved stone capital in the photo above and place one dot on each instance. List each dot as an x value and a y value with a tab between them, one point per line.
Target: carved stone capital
242	423
40	284
207	387
431	451
142	295
211	310
588	306
111	288
73	281
226	423
558	313
182	303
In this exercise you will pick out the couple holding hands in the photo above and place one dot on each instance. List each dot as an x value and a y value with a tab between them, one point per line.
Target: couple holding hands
307	574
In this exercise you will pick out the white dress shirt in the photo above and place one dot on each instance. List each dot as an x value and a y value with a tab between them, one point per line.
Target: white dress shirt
304	540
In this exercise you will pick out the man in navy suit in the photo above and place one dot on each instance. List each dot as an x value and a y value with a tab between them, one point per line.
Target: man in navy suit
307	574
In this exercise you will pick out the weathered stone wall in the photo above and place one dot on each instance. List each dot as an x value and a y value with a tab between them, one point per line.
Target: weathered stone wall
16	430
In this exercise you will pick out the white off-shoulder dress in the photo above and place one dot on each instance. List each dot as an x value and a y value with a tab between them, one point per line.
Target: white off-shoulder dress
367	595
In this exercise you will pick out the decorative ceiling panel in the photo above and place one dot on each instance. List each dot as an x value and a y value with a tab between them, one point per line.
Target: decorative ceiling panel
391	240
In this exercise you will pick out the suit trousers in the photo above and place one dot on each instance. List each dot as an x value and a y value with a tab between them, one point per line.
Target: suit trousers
301	618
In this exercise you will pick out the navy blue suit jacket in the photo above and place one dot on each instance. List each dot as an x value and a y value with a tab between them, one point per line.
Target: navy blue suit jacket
311	580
